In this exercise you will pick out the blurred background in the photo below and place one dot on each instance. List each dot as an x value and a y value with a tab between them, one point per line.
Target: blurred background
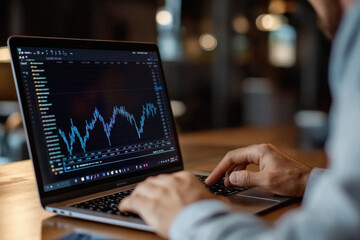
227	62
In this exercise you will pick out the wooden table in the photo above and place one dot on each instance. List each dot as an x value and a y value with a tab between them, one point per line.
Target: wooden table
23	218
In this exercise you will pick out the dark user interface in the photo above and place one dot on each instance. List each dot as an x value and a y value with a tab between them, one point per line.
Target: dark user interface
96	113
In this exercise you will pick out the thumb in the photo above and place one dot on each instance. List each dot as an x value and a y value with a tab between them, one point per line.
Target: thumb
244	178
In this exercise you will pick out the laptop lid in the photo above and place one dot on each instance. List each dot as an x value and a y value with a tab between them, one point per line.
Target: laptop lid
96	113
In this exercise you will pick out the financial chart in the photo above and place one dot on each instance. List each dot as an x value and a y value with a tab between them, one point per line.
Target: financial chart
105	114
149	110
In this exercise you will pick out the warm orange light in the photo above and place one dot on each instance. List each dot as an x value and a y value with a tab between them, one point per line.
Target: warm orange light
4	55
164	17
269	22
241	25
277	6
207	42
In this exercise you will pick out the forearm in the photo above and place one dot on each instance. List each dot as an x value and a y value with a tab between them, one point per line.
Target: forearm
199	219
319	218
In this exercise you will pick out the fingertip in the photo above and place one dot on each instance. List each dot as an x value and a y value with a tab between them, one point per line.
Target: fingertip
208	180
234	178
227	182
121	208
123	205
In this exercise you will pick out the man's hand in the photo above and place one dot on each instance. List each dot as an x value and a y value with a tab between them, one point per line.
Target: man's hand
159	199
278	172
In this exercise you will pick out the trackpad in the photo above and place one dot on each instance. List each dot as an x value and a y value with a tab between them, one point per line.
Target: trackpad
251	204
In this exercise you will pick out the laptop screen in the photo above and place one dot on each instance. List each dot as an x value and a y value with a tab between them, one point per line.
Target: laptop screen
96	113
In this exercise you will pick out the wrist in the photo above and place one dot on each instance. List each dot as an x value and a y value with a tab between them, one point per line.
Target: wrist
303	179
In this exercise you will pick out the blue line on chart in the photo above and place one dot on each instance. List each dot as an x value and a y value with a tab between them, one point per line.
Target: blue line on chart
148	110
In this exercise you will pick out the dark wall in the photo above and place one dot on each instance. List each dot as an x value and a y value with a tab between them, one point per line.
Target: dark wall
106	19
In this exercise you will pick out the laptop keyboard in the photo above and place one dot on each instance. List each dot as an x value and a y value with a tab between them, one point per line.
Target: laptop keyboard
109	203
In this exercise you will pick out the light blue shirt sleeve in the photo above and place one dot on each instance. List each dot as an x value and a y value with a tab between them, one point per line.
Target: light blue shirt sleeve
212	219
331	207
314	176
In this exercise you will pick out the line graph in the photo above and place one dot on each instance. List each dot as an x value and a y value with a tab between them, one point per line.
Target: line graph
148	110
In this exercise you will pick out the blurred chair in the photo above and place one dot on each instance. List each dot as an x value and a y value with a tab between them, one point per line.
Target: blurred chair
264	105
259	102
312	128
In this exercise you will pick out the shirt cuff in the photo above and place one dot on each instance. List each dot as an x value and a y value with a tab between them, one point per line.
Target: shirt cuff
315	174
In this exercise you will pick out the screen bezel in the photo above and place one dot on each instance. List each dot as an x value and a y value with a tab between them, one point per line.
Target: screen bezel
66	193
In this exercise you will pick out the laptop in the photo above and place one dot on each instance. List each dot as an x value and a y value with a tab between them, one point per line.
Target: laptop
98	121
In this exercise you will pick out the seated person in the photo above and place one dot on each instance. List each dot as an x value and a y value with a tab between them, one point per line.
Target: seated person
178	206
